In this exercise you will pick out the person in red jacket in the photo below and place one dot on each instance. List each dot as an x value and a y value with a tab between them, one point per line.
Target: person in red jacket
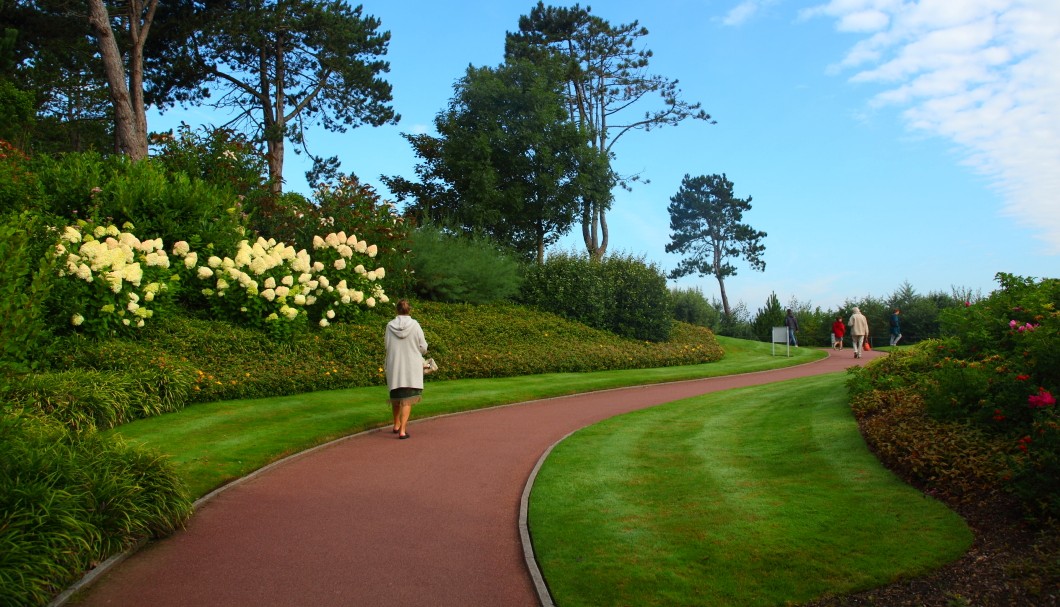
838	331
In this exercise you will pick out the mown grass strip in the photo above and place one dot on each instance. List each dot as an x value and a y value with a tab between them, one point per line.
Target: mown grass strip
214	443
758	496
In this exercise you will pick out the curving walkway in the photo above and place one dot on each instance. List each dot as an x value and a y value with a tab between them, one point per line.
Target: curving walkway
373	521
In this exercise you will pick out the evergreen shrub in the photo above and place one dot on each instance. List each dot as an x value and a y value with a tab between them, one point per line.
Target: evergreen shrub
460	269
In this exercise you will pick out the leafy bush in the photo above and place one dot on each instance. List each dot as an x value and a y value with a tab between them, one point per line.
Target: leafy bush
638	300
109	386
949	459
346	206
218	156
457	269
26	279
115	190
19	186
621	294
221	361
692	307
567	284
72	500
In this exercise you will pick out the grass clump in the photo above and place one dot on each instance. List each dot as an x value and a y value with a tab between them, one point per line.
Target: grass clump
70	500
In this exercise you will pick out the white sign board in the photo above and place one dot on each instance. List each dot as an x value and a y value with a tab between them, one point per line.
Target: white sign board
780	336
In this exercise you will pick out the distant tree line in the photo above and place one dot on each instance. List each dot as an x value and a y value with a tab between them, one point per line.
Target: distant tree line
919	314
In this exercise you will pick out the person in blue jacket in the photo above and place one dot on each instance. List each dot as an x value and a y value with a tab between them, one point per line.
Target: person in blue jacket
896	327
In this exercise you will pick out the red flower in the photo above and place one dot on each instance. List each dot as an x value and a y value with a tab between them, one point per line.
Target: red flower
1042	399
1023	377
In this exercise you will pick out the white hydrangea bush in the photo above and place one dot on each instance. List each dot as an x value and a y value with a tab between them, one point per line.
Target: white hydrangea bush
273	286
116	282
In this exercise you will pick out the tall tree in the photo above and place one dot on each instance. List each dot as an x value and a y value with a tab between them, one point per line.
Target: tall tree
125	70
607	78
706	223
287	64
507	161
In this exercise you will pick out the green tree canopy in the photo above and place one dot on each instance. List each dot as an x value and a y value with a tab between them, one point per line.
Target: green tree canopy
706	223
507	162
282	65
606	71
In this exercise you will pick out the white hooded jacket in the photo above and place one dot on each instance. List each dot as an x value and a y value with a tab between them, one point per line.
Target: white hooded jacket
405	347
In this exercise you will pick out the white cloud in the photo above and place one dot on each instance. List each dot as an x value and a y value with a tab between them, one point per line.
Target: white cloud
982	73
744	11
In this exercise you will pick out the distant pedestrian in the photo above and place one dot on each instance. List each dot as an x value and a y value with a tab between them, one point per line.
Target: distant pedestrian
896	327
838	331
405	347
792	324
859	330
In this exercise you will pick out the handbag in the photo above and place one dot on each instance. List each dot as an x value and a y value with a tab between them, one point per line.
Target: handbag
429	366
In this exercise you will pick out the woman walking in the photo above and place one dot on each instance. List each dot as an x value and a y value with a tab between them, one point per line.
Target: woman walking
405	347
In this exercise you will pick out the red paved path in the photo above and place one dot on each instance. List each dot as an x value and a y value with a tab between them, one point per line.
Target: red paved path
372	520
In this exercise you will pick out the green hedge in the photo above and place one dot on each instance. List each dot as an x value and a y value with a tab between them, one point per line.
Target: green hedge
620	293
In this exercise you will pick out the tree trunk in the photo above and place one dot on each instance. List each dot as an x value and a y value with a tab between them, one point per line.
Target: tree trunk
275	120
724	298
130	118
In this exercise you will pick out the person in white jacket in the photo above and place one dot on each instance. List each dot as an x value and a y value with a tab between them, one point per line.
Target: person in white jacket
405	347
859	330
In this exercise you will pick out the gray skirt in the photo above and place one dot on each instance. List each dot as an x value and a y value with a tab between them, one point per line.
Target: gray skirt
405	393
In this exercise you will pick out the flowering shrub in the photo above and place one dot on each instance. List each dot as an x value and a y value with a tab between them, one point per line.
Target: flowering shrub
346	205
999	372
116	281
272	286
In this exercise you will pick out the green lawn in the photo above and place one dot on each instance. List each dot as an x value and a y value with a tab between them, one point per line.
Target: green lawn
214	443
758	496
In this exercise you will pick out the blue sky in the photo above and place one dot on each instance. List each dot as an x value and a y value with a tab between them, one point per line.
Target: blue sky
881	141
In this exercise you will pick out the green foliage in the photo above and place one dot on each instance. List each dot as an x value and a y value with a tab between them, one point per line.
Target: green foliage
995	380
638	300
218	156
212	360
512	156
18	109
19	185
115	190
72	500
692	307
104	384
772	315
459	269
26	279
622	294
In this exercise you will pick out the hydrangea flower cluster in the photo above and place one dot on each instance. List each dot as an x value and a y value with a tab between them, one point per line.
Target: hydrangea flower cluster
116	276
270	284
